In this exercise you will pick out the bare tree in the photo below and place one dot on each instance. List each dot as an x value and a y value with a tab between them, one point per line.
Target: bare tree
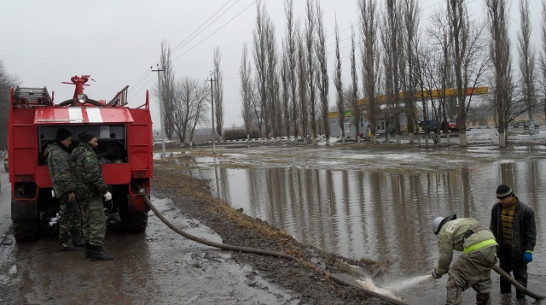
189	97
6	81
302	87
457	15
354	90
166	89
421	63
408	69
391	35
273	104
291	49
218	92
527	60
468	60
543	61
323	82
200	109
438	71
459	27
370	59
500	55
256	106
475	63
260	61
311	66
285	81
339	88
246	91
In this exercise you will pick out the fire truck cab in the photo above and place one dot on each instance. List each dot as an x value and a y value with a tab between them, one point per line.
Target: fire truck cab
125	152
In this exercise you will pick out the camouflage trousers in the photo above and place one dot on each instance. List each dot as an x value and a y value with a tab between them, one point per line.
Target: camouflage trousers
94	221
472	270
70	223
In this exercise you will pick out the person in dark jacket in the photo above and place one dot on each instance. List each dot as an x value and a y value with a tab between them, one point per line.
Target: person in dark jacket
90	188
513	223
57	155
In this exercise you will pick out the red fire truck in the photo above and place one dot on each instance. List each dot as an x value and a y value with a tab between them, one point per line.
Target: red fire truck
125	150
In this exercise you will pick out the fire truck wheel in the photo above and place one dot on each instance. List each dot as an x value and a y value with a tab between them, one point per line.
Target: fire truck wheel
25	230
135	222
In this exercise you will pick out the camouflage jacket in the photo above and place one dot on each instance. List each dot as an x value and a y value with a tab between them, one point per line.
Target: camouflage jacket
87	172
59	169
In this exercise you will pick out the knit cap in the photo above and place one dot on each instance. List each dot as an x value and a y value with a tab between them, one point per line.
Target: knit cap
62	134
85	136
503	191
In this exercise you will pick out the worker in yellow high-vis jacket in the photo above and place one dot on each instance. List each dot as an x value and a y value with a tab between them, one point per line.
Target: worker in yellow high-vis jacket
473	267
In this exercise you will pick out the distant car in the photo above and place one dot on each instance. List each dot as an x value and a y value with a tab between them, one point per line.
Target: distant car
452	126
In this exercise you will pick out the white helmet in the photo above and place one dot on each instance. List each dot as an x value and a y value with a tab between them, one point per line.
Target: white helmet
439	222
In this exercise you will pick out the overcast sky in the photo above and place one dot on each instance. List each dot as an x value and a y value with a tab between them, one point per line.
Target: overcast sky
44	43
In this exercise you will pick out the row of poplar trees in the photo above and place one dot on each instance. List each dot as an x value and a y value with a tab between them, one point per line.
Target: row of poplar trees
285	89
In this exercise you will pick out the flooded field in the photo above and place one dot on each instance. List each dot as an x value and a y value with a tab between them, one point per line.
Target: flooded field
377	203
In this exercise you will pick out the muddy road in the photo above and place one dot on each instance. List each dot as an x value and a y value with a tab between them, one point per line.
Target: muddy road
153	268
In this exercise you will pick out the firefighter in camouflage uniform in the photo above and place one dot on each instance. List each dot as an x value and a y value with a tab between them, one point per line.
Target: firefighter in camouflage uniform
57	154
473	267
90	188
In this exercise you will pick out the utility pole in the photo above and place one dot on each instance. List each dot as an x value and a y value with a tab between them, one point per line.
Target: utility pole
211	80
157	69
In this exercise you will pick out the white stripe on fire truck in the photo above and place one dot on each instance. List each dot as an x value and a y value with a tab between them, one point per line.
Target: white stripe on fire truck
94	115
75	114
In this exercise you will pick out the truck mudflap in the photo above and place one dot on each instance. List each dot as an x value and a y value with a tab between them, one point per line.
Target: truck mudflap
135	218
136	204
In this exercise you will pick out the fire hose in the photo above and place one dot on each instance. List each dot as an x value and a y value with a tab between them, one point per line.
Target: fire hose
269	253
517	284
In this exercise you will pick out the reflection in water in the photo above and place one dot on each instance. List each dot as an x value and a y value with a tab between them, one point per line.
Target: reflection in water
379	215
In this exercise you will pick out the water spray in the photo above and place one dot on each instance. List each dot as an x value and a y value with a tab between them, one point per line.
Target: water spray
407	283
391	289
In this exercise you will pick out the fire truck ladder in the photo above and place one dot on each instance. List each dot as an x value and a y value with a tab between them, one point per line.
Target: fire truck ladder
120	99
31	97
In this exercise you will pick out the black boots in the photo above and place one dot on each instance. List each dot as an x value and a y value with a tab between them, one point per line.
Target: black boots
96	253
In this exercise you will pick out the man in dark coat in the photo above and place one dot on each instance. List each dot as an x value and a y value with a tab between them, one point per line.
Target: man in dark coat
513	223
57	155
90	188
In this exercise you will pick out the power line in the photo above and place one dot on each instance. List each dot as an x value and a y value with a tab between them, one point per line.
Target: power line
143	84
184	43
221	27
141	81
